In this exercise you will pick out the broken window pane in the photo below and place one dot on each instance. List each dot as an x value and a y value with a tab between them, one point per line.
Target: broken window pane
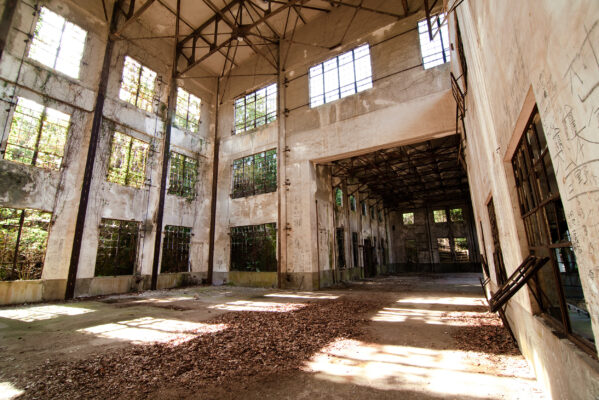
187	112
23	239
117	247
439	216
183	176
175	249
256	109
128	158
37	135
137	84
342	76
255	174
408	218
435	52
456	215
254	247
57	43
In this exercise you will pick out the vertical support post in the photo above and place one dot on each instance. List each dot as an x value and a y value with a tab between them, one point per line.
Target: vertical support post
91	156
7	15
214	189
281	178
428	235
170	113
347	244
334	244
317	245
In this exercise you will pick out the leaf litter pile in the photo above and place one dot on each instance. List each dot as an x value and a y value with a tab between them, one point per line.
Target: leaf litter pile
253	343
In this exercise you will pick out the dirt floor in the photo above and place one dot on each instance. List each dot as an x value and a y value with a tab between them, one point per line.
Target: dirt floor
408	337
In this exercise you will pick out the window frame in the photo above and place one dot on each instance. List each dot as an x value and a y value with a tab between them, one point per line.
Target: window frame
186	189
110	168
246	186
138	85
445	49
171	240
190	97
239	238
133	228
269	116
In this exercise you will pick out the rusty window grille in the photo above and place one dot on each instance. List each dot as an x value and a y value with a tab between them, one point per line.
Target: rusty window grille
183	176
352	203
339	197
408	218
23	239
340	248
435	52
460	249
127	165
255	174
354	243
117	247
341	76
187	111
444	250
456	215
256	109
558	288
411	251
439	216
138	84
500	272
254	247
175	249
37	135
57	43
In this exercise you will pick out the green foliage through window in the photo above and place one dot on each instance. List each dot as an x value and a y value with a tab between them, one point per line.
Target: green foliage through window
254	247
461	250
117	247
456	215
408	218
175	249
23	239
439	216
137	84
187	113
57	43
128	158
37	135
256	109
183	175
352	203
255	174
339	197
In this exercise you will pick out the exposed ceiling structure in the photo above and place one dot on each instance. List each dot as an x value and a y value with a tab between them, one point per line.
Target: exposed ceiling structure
408	176
220	34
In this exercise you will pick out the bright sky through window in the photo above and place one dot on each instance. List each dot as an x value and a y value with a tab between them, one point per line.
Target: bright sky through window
256	109
435	52
57	43
137	84
342	76
187	115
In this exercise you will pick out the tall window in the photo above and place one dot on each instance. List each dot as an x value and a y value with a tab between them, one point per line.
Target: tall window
183	175
444	250
460	250
354	245
364	208
352	203
57	43
256	109
338	197
37	135
500	273
187	113
411	251
117	247
340	248
558	289
255	174
175	249
23	238
342	76
137	84
254	248
128	158
435	52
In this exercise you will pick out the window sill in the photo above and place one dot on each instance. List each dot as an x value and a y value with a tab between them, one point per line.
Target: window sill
558	331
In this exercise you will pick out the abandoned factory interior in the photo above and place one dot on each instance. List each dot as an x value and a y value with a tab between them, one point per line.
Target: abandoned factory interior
299	199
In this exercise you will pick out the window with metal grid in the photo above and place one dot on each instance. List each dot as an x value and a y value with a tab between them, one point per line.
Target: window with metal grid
500	272
558	288
127	165
187	111
256	109
444	250
138	84
254	248
183	176
57	43
460	250
434	52
38	135
23	239
117	247
341	76
255	174
175	249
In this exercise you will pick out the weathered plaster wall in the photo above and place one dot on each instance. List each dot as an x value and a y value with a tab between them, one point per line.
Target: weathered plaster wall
546	53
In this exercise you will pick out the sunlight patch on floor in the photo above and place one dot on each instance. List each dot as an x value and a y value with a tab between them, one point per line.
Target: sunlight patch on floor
9	391
244	305
38	313
303	295
153	330
391	367
453	300
431	317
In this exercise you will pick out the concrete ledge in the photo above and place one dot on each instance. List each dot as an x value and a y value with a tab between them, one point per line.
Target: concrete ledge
15	292
253	279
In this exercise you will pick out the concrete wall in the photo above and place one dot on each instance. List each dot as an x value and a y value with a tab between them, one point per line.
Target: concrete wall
518	54
23	186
